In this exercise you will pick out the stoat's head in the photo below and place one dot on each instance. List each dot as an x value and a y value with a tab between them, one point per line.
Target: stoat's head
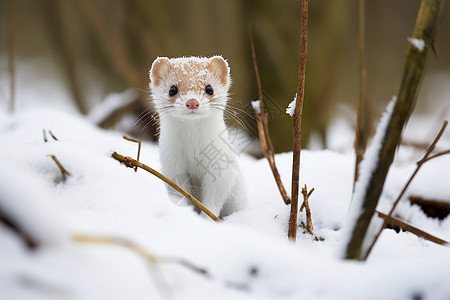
189	87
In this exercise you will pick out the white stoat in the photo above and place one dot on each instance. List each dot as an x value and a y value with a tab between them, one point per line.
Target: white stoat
190	95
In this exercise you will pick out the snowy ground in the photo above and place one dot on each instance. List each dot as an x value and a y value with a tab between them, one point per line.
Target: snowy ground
246	257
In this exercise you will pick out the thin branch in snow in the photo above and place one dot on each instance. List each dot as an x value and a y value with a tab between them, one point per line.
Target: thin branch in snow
306	195
420	163
141	251
130	163
9	222
412	229
309	195
45	135
297	121
139	147
263	129
63	170
145	254
52	135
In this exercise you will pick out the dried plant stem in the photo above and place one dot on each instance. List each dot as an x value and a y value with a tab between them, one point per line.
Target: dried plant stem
130	162
82	238
60	37
139	147
425	29
362	124
412	229
309	195
116	50
306	195
263	129
63	170
11	66
420	163
141	251
297	122
45	135
9	221
52	135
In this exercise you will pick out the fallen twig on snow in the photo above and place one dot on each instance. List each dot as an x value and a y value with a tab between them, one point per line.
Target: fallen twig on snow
141	251
263	129
130	162
412	229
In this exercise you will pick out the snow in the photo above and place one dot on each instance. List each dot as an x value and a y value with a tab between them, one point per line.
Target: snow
418	43
366	168
248	256
290	110
256	106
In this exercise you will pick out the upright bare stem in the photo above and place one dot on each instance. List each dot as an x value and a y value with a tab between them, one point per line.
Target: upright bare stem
362	126
11	66
263	129
297	122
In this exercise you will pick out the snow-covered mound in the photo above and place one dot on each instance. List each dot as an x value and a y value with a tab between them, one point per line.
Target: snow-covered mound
248	256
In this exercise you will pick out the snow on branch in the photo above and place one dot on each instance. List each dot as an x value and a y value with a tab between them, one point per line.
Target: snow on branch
367	168
418	43
290	110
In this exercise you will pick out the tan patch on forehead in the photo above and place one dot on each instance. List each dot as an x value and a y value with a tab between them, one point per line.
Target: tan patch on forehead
190	74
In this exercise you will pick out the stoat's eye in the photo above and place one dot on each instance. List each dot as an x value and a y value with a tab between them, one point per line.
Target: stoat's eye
209	90
173	90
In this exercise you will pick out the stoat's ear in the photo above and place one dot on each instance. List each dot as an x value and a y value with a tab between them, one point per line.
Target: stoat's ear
159	67
219	66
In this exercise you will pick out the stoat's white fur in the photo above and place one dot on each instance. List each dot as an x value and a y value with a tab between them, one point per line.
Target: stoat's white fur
193	142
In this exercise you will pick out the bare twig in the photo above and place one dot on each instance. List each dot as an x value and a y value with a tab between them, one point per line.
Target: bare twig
297	121
141	251
306	195
45	135
263	129
255	66
130	162
11	66
151	258
117	51
362	126
303	204
420	163
65	47
63	170
52	135
10	222
139	148
412	229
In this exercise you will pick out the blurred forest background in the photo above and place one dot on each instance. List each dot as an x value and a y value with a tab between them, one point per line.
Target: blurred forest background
97	47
